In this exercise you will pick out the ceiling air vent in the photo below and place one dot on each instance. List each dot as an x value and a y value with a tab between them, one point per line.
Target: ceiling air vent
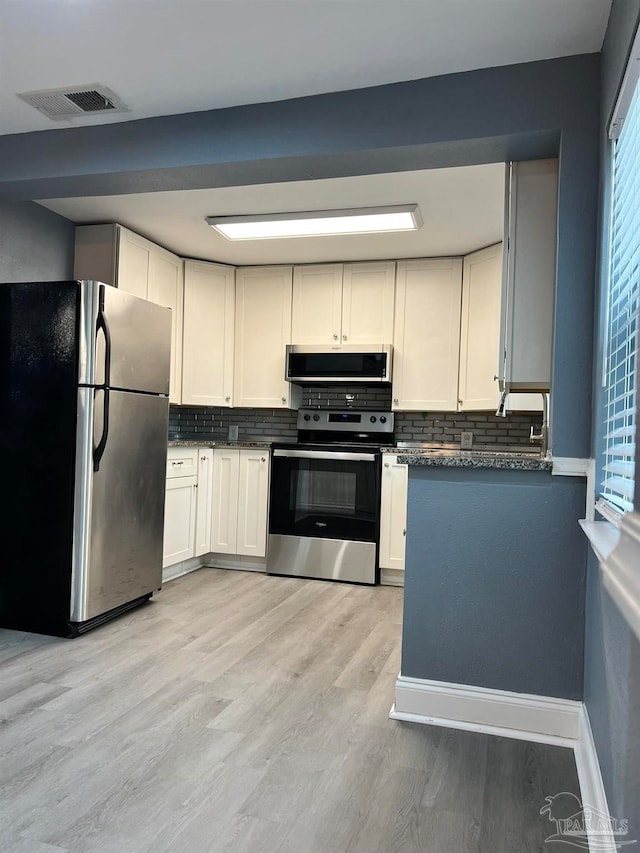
73	101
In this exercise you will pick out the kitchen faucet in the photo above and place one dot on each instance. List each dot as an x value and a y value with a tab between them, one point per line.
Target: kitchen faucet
543	435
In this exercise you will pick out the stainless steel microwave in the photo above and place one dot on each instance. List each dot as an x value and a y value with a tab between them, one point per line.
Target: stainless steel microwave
350	363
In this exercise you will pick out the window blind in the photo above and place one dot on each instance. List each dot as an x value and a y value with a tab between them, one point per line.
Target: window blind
622	316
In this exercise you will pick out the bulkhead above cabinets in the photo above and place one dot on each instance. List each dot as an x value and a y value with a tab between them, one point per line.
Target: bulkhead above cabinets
462	328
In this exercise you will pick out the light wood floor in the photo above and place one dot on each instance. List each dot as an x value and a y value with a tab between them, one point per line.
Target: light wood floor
240	712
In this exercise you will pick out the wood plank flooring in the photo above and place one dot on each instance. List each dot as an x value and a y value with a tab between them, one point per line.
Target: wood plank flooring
241	712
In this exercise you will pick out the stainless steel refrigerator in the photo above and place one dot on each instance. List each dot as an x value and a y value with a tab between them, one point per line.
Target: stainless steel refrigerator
84	385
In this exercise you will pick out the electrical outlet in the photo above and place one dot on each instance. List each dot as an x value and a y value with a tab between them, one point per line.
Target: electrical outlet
233	432
466	440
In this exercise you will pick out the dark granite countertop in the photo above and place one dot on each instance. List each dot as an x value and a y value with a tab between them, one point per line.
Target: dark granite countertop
502	459
183	442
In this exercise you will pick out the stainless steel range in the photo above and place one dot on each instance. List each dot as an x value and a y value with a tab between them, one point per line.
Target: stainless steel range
325	496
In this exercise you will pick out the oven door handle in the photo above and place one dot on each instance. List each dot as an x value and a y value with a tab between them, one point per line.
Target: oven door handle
338	456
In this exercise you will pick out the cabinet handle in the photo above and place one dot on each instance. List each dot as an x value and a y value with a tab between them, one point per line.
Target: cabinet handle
386	464
344	337
395	400
404	532
284	399
178	463
335	337
203	458
195	485
227	399
262	459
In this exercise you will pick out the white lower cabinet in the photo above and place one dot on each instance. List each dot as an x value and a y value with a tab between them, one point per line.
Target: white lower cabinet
224	518
179	520
203	502
187	511
253	499
240	501
393	512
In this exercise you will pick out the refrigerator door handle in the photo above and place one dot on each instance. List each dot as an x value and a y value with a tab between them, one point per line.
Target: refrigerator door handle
98	450
101	324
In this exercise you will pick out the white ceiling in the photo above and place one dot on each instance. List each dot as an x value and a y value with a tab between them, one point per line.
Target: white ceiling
174	56
462	209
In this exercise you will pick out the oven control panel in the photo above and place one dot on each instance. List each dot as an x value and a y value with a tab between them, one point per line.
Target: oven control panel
345	420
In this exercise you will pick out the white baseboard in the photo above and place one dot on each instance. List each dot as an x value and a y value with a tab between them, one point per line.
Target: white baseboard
231	561
518	715
180	569
391	577
592	791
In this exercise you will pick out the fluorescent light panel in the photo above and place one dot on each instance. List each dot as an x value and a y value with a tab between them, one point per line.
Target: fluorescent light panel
318	223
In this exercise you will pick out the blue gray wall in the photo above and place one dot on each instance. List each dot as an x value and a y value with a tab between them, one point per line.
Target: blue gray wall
612	651
35	244
516	112
494	587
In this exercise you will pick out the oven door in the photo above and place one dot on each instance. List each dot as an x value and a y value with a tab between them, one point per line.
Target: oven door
325	493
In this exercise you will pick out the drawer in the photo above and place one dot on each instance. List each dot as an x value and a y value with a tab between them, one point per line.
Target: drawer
182	462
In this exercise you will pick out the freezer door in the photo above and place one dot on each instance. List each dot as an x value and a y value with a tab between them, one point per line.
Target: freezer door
119	508
125	341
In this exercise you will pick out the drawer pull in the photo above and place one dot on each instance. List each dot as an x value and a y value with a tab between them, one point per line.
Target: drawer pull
181	462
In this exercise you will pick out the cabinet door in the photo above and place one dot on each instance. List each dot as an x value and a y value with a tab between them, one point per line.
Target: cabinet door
317	304
203	502
179	520
207	348
427	335
224	500
530	274
166	288
134	255
253	498
95	254
263	329
480	329
393	512
368	303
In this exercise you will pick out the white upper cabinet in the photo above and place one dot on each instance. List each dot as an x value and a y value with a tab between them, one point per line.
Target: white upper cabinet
262	331
134	254
368	302
166	288
207	350
529	275
317	304
117	256
335	304
480	329
427	335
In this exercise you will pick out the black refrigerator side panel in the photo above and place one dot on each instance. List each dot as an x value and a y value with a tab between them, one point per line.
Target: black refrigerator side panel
38	402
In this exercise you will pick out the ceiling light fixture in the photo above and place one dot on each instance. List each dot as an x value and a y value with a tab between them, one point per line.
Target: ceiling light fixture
318	223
